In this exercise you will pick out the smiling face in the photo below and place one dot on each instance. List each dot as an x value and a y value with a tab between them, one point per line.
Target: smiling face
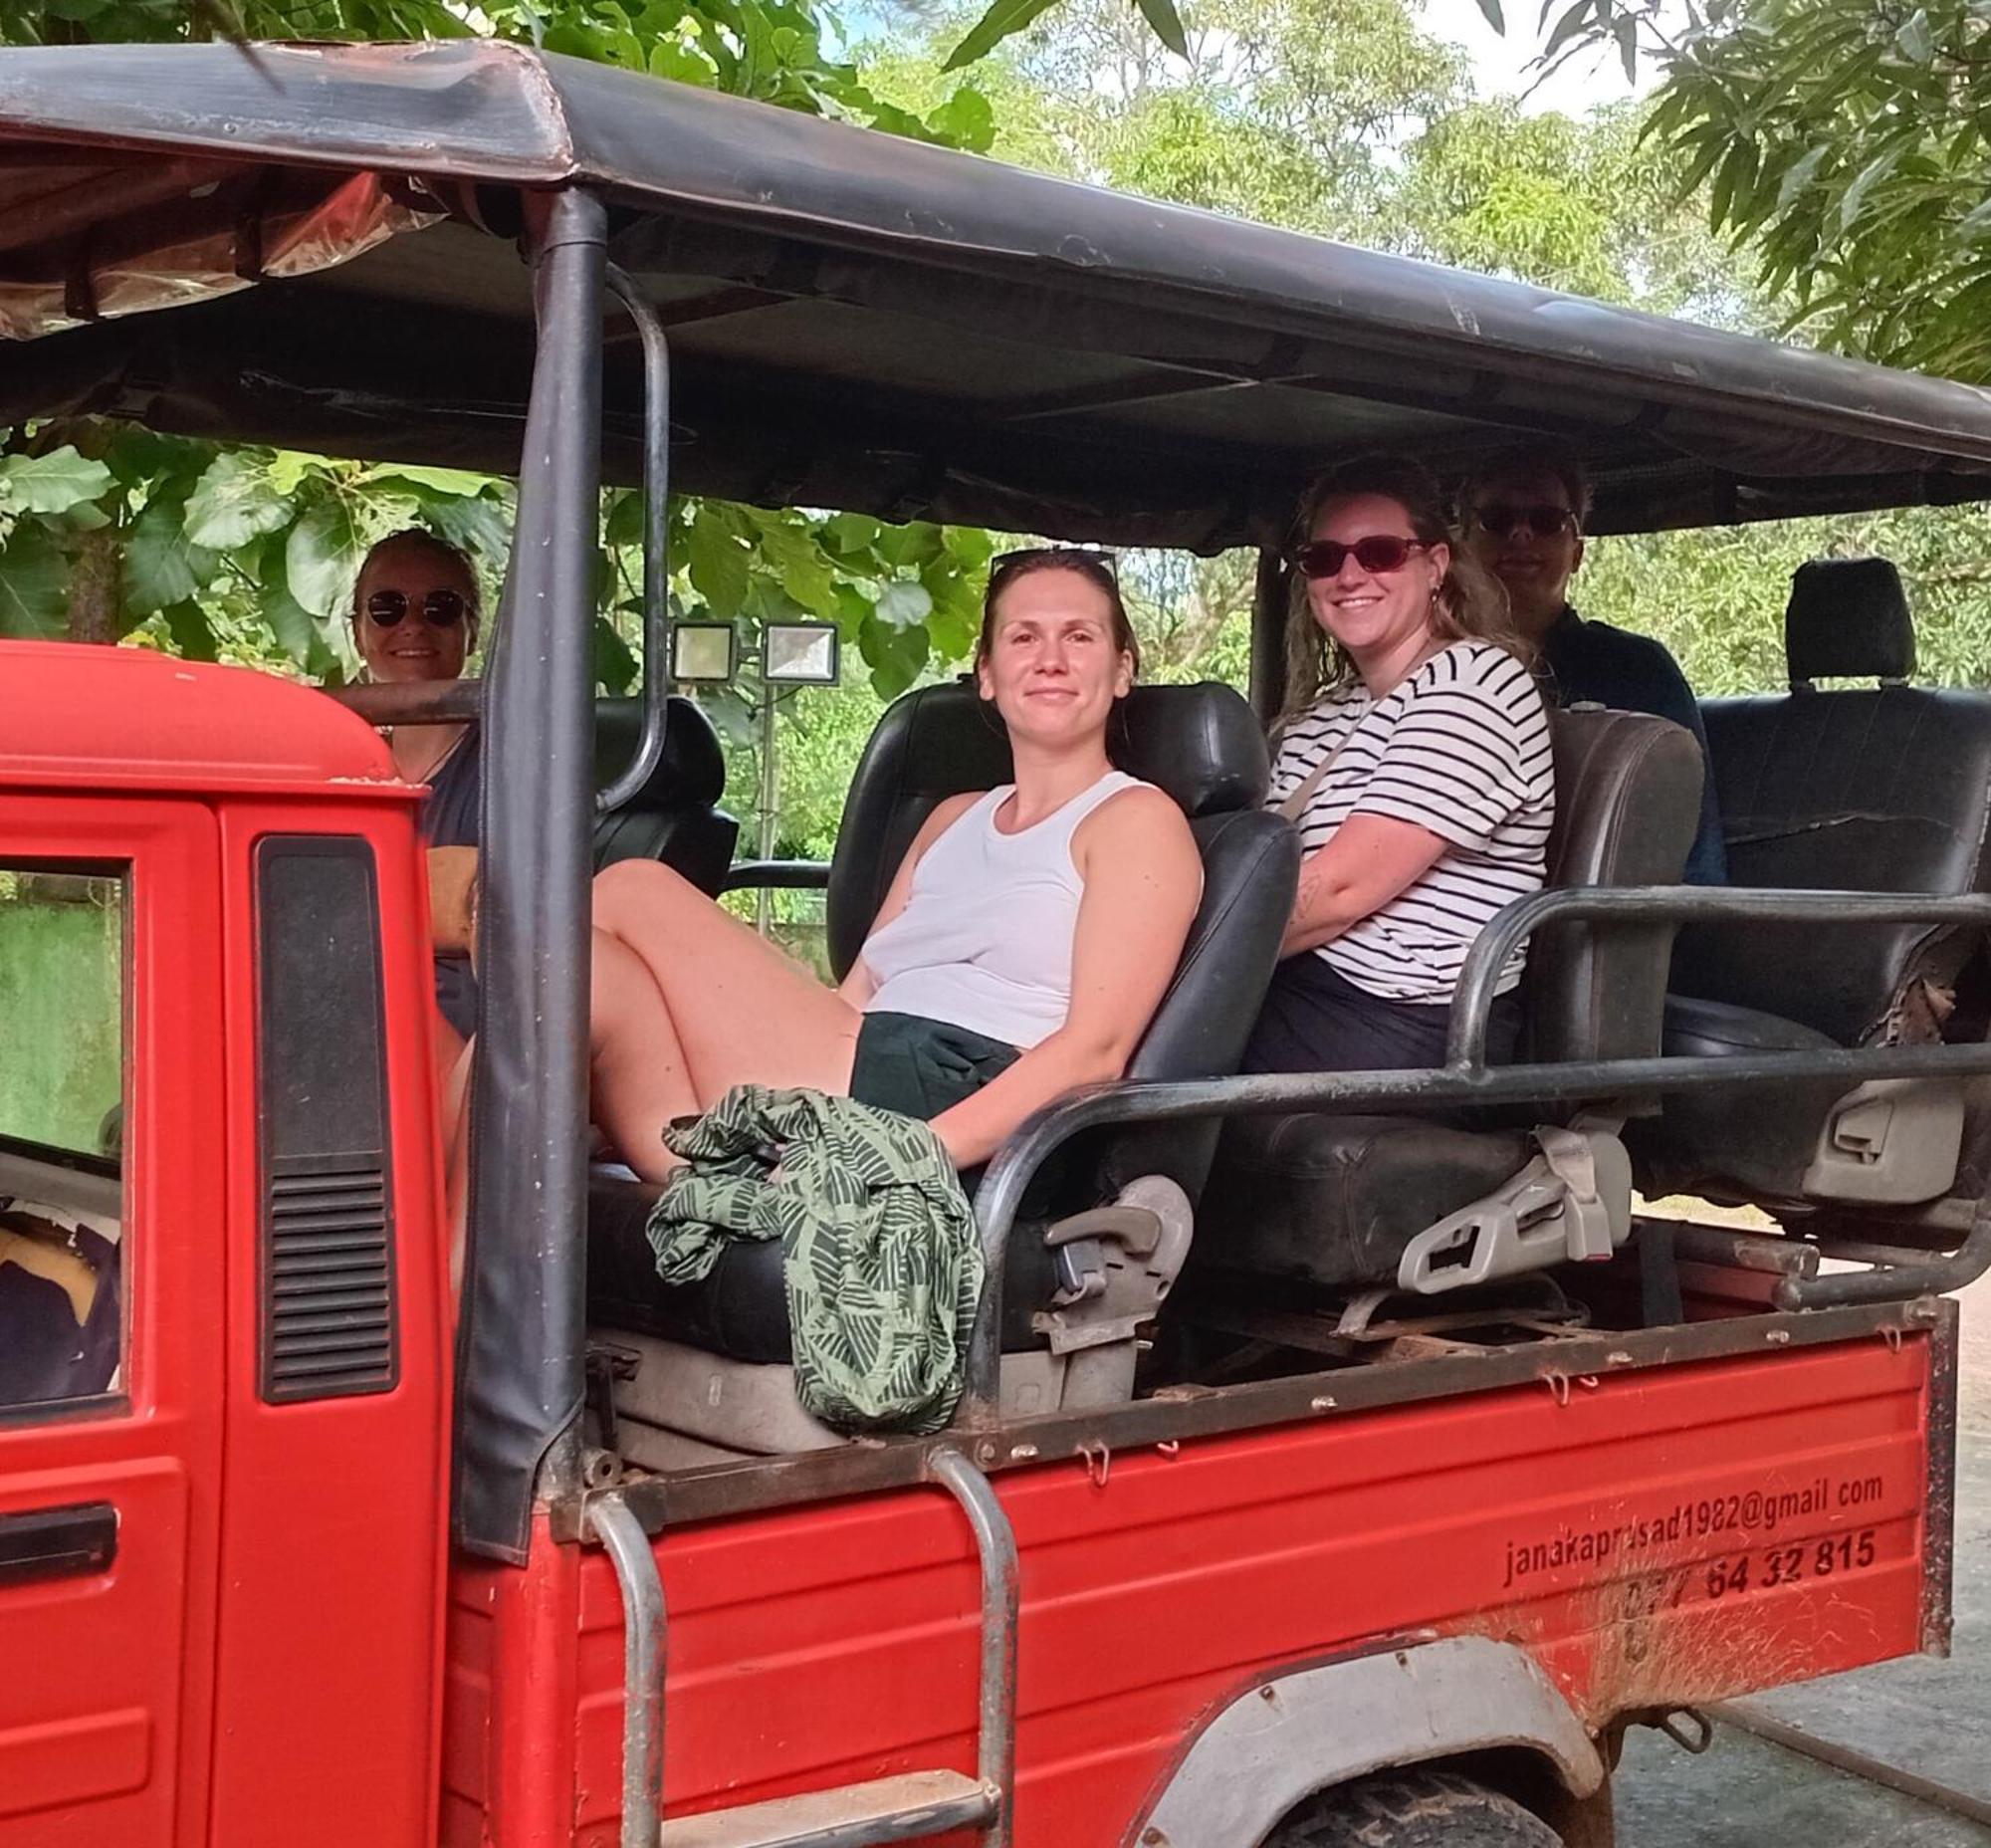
407	573
1052	666
1537	567
1382	618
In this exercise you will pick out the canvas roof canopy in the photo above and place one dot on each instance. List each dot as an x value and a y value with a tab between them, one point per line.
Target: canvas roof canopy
314	247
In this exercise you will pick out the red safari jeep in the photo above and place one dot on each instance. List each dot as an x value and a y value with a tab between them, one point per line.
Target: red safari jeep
1373	1470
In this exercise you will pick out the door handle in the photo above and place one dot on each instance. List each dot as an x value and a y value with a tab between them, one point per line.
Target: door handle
58	1543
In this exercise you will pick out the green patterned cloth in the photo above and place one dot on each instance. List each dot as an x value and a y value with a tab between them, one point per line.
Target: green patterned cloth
878	1244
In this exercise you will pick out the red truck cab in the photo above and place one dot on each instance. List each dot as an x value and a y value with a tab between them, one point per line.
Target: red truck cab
209	1656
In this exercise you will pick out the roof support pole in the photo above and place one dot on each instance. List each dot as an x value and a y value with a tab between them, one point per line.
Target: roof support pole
1268	636
522	1338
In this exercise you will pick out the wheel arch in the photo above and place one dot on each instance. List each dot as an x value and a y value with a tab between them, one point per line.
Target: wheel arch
1288	1737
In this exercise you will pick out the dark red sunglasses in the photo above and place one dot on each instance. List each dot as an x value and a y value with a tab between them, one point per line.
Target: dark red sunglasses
441	609
1545	520
1375	553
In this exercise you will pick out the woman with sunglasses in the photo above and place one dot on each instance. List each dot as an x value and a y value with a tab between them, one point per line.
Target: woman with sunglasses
1414	757
1030	931
414	617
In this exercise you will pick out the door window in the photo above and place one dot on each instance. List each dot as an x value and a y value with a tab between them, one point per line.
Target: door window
63	967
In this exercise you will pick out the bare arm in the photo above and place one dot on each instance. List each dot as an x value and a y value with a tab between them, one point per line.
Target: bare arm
1143	880
1370	860
860	984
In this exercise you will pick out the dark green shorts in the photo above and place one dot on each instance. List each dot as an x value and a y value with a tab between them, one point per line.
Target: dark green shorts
920	1068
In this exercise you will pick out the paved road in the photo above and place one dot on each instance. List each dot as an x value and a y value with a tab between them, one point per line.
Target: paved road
1930	1717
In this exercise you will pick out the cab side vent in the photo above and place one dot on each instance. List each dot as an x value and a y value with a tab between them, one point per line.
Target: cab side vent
328	1312
329	1324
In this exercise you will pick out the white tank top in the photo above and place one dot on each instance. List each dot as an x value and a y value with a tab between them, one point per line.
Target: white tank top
984	941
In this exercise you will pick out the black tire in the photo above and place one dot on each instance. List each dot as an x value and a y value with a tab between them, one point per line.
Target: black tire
1412	1809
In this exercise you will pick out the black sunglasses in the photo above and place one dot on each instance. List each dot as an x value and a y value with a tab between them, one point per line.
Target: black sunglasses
1376	552
1082	558
1545	520
441	609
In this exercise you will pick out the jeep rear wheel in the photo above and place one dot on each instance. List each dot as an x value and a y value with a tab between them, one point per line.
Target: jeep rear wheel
1412	1809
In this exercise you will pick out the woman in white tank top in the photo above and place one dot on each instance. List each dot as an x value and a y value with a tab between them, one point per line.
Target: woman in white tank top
1028	938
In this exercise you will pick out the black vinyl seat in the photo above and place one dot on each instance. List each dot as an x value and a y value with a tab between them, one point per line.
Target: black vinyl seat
1340	1201
1882	788
1204	747
675	817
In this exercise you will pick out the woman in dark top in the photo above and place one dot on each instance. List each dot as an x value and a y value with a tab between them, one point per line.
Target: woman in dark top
414	617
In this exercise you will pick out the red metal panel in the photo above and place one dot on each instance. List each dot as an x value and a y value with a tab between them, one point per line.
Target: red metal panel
509	1776
333	1542
1683	1533
106	1698
94	718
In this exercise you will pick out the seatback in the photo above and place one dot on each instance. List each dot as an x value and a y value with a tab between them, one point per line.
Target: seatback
1884	789
1627	801
674	817
1206	748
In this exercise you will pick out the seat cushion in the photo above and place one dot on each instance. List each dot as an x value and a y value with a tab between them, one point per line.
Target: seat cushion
1724	1139
740	1308
1333	1200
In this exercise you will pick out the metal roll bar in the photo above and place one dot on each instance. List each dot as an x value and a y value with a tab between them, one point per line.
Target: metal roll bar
656	541
1468	1080
413	702
1514	924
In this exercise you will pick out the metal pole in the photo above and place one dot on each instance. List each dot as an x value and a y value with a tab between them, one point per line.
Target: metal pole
1017	1163
1514	924
656	542
522	1339
769	795
1002	1603
645	1635
1268	636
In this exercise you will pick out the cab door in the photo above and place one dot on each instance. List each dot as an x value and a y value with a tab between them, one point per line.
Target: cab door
110	1319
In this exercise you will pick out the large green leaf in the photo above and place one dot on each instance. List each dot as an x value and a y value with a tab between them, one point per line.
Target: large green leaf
34	587
904	605
234	503
295	627
471	523
1002	19
51	484
718	562
162	565
324	554
799	562
1161	16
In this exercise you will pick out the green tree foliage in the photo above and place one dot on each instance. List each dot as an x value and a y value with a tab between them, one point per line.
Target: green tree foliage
1594	208
1844	145
1289	112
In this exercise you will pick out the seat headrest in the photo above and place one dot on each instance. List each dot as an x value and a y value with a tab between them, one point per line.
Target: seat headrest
1846	618
692	770
1203	744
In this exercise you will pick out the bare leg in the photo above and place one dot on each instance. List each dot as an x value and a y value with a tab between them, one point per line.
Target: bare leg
636	1068
456	1160
724	1008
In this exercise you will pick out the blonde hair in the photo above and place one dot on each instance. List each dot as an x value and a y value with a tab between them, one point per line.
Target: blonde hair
1470	601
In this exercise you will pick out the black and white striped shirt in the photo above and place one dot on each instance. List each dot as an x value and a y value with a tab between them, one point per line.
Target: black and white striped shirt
1461	748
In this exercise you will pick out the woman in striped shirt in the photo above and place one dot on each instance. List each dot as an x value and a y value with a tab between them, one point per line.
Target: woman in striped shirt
1414	757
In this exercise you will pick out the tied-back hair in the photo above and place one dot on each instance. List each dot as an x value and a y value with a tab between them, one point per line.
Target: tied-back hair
1471	602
